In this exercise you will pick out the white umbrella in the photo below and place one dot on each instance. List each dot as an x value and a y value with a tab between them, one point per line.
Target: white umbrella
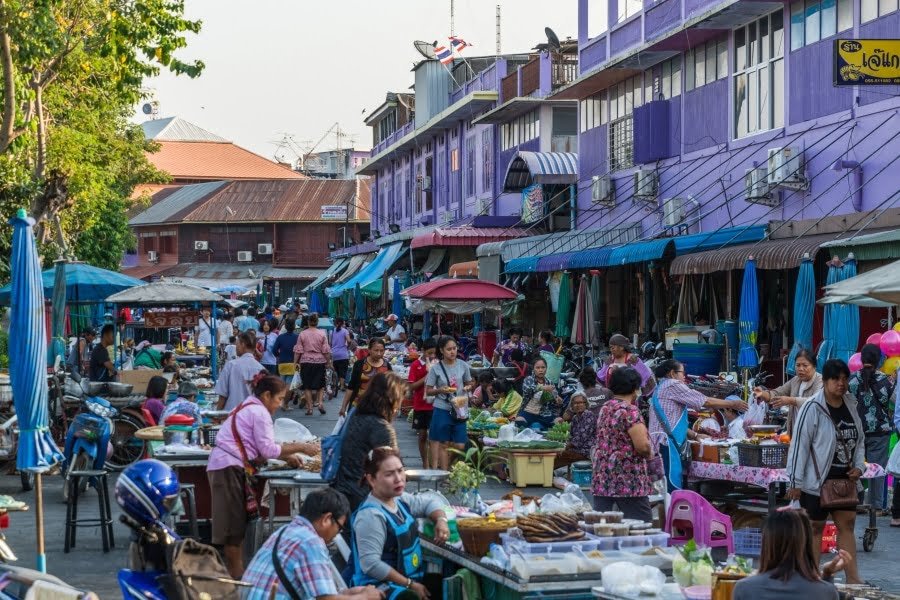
877	288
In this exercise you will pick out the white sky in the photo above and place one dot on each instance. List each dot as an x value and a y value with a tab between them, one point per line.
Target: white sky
276	67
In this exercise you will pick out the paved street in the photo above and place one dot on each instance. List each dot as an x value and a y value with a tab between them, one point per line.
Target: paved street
88	567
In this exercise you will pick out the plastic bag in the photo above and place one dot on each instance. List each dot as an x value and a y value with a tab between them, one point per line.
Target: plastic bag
893	463
339	424
507	432
289	430
756	413
527	435
295	381
630	580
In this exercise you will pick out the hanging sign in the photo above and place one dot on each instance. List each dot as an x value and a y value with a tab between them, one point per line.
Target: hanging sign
532	203
866	62
164	319
334	212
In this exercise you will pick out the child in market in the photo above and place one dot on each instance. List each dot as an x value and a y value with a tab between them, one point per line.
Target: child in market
509	401
483	396
231	349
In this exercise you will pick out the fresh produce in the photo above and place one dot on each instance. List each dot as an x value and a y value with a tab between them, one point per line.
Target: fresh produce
737	565
692	566
558	433
556	527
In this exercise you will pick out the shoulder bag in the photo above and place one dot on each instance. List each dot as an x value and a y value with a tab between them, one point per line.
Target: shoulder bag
458	412
836	494
251	505
286	583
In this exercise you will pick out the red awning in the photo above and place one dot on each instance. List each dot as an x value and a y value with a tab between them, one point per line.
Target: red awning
466	236
460	289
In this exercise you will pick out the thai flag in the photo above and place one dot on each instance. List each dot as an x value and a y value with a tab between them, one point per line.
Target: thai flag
443	54
458	44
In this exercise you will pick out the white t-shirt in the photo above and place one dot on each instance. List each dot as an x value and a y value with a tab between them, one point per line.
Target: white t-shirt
225	330
204	336
394	334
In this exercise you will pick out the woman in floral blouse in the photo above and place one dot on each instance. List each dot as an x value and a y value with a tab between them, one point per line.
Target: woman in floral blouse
622	450
582	432
541	402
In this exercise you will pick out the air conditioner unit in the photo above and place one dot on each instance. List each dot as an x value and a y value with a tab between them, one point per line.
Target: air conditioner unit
245	256
152	255
673	212
603	190
264	249
785	167
645	184
484	206
201	245
757	189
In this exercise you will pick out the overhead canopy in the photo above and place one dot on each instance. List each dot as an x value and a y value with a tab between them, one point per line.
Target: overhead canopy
434	260
164	293
465	236
356	263
883	245
460	289
561	241
525	264
84	283
329	273
877	288
464	269
372	272
527	168
769	254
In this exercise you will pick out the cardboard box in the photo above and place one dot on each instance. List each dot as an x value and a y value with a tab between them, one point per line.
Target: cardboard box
139	378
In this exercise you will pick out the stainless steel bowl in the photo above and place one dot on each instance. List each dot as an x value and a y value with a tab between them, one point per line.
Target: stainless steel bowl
763	428
95	388
119	389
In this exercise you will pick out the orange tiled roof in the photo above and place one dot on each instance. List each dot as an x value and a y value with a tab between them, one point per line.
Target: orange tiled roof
215	160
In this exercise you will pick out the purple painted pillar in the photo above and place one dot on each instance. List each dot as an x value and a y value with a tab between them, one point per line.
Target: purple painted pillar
583	17
518	82
546	75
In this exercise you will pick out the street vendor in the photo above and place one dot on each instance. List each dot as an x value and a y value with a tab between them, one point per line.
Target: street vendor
669	417
541	402
505	348
621	355
798	389
101	366
184	404
245	440
396	334
509	401
582	432
385	540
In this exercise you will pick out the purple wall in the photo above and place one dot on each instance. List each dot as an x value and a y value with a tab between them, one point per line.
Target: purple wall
661	17
811	89
592	160
706	108
593	54
694	7
625	37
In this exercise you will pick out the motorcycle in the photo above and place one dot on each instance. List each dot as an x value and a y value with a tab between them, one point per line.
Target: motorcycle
87	439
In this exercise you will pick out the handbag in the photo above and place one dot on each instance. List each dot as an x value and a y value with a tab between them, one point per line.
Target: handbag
836	494
251	504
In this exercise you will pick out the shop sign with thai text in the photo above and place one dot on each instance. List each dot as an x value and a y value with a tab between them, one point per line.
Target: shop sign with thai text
164	319
867	62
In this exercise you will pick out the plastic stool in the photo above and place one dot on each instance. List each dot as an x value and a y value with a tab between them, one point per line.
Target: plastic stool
691	516
72	520
187	491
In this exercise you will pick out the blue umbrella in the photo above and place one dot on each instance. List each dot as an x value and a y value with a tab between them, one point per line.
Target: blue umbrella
804	306
28	372
749	318
426	325
315	304
84	283
841	324
360	302
397	301
58	314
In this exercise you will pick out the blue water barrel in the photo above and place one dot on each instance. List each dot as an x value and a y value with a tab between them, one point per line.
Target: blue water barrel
699	359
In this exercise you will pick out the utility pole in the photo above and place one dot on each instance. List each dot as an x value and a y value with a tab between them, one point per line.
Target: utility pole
452	14
498	30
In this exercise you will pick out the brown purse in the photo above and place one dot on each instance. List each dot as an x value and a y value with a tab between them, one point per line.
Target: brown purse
251	504
836	494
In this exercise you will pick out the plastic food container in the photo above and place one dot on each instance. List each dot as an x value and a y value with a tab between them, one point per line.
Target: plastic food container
613	516
537	565
621	529
593	516
586	544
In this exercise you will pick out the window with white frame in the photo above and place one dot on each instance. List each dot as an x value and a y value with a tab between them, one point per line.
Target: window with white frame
814	20
598	17
592	112
624	97
621	144
872	9
470	166
487	159
758	89
665	83
706	63
520	130
629	8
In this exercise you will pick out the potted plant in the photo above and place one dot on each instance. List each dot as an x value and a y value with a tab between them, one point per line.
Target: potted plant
470	471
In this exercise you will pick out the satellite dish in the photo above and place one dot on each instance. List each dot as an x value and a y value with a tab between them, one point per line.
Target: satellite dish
147	108
426	49
552	38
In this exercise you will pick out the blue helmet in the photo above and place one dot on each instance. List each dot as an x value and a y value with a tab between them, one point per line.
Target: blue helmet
147	490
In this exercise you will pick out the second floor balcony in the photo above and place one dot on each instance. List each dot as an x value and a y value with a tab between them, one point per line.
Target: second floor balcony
540	76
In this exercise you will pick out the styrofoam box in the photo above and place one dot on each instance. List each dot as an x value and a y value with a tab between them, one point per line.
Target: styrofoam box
588	543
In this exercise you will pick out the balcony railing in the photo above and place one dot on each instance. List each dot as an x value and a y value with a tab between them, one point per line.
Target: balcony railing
531	77
386	142
564	70
509	87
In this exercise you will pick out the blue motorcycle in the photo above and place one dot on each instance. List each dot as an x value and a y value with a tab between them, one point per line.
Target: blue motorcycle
87	439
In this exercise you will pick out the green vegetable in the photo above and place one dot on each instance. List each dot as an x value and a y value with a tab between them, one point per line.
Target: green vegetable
559	432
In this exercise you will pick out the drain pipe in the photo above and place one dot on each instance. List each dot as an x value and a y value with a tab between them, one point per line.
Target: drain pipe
856	173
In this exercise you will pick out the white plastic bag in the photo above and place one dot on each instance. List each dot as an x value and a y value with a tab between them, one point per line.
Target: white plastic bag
528	435
893	463
338	425
631	580
289	430
507	432
295	381
756	413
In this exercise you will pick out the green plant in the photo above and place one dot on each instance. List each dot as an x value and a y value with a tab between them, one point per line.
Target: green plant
471	470
4	350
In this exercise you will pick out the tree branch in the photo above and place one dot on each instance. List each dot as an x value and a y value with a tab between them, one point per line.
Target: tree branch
7	124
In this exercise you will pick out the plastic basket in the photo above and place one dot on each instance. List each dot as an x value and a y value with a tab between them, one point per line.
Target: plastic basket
771	456
209	435
748	541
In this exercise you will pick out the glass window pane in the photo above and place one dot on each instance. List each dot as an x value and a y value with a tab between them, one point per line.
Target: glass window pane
666	83
582	115
753	98
604	116
740	50
699	66
722	59
886	6
710	62
648	85
844	14
829	18
764	39
765	117
753	44
629	98
777	93
613	106
620	100
740	105
676	76
868	10
689	70
777	34
812	22
797	20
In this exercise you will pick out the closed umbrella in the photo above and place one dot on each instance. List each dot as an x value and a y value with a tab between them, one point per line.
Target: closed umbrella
28	373
397	300
804	306
564	306
58	306
579	322
841	325
313	302
749	318
595	303
360	304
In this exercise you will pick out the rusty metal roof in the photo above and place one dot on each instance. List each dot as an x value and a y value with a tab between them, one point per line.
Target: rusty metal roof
205	160
176	203
769	254
282	201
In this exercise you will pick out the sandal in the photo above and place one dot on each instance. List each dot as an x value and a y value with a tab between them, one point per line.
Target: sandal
322	409
308	412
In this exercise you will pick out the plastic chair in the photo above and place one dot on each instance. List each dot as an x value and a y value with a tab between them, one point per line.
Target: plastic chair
691	516
148	418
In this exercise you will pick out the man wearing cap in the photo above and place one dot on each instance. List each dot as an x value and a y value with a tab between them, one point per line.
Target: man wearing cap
396	335
184	404
621	355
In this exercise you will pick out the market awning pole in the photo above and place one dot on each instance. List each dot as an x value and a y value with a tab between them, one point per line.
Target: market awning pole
39	519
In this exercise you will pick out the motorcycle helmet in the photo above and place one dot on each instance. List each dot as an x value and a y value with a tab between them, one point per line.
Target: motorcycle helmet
147	490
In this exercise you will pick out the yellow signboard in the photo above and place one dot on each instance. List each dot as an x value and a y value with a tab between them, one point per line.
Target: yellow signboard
867	62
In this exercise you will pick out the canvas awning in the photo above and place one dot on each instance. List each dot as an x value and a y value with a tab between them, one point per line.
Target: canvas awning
372	272
433	262
465	236
882	245
329	273
353	267
527	168
769	254
464	269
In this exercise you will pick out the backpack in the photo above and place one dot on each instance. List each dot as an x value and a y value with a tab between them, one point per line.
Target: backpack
331	450
196	571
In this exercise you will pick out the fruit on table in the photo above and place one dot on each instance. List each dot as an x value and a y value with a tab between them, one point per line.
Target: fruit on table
784	438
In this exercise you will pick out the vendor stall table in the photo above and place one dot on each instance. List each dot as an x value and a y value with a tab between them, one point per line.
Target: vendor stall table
431	476
670	591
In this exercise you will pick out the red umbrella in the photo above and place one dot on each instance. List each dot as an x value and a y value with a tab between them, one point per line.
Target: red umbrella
460	289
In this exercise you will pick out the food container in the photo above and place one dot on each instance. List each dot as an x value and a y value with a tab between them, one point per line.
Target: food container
620	529
536	566
613	516
704	452
177	435
593	516
723	585
604	529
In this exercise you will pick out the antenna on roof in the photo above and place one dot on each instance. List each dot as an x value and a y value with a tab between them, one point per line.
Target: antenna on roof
552	39
426	49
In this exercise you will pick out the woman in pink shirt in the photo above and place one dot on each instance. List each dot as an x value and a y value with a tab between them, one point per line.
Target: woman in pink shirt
313	354
245	440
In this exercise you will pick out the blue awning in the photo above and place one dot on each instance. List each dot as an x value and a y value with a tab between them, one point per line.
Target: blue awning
330	272
554	262
594	257
526	264
383	261
527	168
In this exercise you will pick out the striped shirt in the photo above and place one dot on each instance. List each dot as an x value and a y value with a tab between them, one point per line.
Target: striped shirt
674	397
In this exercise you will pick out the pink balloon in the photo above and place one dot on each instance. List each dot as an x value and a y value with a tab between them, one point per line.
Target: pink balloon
855	363
890	343
875	338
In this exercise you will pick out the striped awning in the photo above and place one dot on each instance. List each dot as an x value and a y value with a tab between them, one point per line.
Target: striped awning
527	168
769	254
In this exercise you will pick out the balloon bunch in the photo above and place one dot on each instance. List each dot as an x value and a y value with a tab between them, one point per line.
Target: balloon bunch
889	342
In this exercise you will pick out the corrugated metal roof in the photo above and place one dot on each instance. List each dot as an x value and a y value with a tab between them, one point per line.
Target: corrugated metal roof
283	201
540	167
144	272
593	257
288	273
882	245
215	160
769	254
177	129
176	203
554	262
164	293
464	236
566	241
525	264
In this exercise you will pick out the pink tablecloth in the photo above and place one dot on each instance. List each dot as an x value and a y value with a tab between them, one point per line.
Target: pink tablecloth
761	477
